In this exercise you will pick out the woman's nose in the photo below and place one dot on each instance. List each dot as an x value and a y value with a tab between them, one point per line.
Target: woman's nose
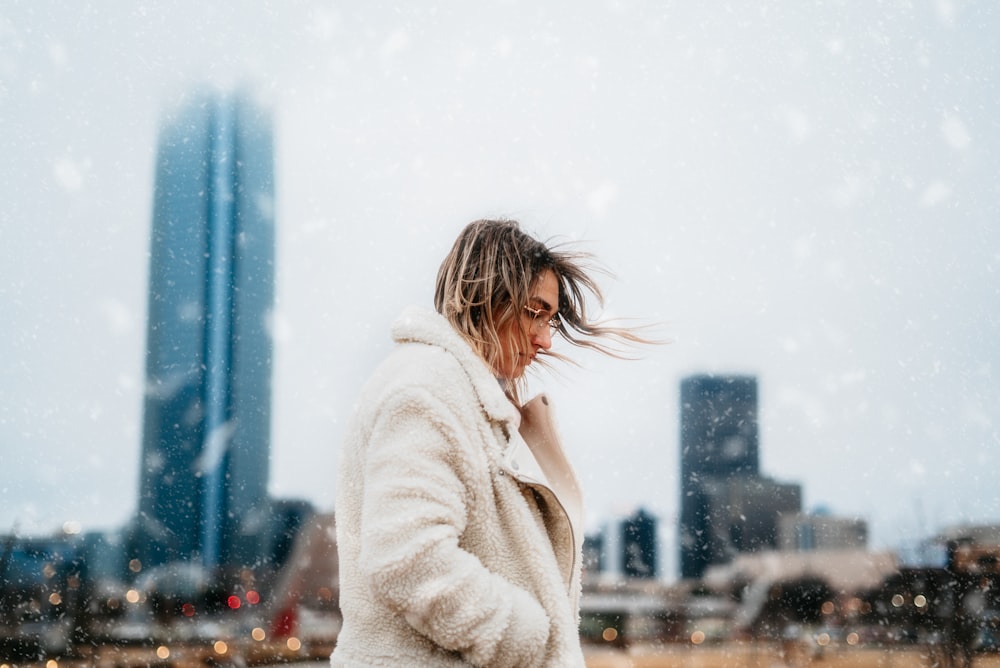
543	337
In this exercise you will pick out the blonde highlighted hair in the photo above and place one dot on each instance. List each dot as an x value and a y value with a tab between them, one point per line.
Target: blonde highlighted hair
485	282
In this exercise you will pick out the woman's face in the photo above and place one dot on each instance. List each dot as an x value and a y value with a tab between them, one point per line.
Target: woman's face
521	339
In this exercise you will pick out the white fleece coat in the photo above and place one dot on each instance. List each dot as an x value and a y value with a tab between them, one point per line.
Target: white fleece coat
454	547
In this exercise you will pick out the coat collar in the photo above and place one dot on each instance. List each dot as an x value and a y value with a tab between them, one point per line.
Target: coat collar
421	325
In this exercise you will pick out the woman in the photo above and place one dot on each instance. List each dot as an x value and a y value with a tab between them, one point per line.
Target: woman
458	517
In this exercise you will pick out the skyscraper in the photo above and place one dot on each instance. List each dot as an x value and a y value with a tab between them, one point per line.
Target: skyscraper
726	505
206	430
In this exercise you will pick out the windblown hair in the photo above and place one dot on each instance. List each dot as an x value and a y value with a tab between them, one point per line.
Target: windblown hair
486	281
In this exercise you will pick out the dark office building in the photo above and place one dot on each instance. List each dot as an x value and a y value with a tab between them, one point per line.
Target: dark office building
727	507
204	467
638	544
39	593
718	426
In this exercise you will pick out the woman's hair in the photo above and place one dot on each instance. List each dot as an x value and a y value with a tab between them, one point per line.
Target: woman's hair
486	280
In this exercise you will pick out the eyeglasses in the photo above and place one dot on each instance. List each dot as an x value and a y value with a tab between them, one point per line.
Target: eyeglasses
539	317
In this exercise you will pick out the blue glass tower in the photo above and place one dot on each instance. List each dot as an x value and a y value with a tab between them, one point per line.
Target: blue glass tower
206	431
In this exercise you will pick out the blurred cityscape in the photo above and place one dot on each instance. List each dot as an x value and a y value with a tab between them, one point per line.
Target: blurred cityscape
212	571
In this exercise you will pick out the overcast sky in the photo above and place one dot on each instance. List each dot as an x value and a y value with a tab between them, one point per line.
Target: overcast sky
804	191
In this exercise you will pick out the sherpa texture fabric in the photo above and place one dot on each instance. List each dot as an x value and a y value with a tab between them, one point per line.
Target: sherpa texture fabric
447	558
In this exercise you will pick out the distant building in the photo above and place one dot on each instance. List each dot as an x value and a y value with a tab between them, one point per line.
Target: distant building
103	556
742	513
727	507
805	532
624	547
40	590
205	443
718	427
593	553
638	544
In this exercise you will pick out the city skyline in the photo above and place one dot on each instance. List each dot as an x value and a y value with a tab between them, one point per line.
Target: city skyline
805	194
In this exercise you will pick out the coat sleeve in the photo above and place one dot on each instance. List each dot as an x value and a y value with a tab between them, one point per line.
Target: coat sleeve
414	512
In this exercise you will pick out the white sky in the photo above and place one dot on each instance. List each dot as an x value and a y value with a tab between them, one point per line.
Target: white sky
805	191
